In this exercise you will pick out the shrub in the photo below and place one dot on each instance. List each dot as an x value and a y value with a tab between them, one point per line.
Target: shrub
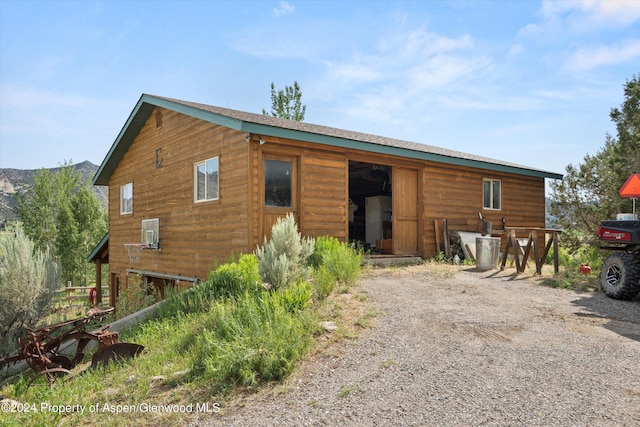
134	298
27	277
283	259
324	245
233	279
296	297
564	258
251	339
324	282
586	254
343	260
227	281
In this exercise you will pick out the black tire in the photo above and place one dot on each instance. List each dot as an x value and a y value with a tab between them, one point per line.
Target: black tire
620	275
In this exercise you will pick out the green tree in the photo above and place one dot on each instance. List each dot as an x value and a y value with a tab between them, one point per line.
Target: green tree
287	103
62	215
27	277
589	191
626	158
36	210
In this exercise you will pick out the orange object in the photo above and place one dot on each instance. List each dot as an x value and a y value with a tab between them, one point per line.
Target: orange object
631	187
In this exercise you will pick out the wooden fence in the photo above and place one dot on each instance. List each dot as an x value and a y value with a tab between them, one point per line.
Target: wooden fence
74	297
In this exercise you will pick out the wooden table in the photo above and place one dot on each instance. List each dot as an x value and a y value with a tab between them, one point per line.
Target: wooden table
532	243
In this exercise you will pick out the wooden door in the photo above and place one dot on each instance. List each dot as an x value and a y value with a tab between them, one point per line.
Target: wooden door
405	211
279	190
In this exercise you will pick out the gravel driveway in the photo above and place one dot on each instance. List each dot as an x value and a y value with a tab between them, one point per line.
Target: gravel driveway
456	347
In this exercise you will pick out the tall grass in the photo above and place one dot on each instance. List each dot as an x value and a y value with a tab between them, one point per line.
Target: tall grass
342	260
226	333
257	338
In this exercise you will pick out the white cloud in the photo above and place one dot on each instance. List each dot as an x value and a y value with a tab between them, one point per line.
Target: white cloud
406	72
586	59
583	16
577	23
516	49
611	12
284	8
25	97
406	57
354	72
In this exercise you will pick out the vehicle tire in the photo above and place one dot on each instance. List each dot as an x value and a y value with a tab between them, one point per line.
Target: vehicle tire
620	275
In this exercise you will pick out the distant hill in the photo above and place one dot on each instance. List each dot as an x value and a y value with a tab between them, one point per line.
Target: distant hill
20	180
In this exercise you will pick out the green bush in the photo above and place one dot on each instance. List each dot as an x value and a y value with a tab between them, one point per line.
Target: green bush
283	259
343	260
324	282
296	297
564	258
233	279
227	281
254	338
27	277
572	259
324	245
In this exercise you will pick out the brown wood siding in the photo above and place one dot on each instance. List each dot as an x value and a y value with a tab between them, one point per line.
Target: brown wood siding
321	188
455	193
445	191
324	198
192	235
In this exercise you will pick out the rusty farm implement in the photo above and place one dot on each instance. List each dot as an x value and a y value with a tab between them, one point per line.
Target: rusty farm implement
41	348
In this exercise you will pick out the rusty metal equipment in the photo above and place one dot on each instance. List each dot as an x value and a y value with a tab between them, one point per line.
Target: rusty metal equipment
40	347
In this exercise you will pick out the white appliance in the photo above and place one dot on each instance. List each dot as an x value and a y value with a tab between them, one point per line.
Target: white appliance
376	210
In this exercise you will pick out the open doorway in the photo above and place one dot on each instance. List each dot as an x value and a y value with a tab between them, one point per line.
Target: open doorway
370	205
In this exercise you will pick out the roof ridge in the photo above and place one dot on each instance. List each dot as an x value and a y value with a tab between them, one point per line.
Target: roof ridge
345	134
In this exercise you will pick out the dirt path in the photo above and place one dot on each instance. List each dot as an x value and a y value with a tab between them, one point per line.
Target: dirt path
459	347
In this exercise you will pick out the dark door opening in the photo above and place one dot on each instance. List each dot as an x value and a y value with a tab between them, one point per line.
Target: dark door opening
370	206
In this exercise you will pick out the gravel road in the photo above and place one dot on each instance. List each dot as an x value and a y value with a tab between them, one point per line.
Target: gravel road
456	347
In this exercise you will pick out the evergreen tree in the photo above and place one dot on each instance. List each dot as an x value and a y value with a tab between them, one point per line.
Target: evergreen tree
588	193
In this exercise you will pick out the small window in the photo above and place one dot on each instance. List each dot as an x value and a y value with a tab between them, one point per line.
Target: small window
126	199
492	194
277	183
206	180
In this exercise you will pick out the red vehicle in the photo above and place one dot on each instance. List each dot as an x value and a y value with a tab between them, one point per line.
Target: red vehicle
620	273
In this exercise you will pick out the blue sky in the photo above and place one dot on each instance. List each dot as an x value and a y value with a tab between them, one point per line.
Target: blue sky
525	81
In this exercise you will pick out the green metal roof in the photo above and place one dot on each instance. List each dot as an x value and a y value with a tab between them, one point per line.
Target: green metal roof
290	129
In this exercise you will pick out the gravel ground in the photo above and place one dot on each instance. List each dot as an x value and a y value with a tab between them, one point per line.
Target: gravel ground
457	347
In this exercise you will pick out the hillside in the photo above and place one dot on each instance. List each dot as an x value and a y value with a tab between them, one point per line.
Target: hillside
19	180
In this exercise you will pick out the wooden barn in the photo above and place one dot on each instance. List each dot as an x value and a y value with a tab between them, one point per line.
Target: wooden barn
191	184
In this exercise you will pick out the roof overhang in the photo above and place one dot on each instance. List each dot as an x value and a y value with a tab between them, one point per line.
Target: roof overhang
101	251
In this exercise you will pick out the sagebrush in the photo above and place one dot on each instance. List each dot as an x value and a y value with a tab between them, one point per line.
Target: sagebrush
27	278
283	259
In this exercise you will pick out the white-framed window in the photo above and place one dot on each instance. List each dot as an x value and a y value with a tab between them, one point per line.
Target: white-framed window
205	177
126	199
492	194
